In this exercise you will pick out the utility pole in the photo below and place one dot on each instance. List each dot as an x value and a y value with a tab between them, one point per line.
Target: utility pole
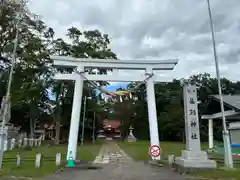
228	161
6	101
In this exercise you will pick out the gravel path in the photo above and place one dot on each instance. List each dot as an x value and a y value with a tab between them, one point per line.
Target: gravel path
111	153
117	165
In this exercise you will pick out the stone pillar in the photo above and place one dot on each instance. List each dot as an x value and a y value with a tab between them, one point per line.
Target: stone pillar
152	113
193	157
210	133
75	116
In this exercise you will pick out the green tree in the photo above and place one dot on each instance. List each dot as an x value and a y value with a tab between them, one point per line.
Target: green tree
31	68
87	44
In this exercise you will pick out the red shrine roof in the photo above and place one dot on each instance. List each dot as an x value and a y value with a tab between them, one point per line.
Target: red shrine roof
113	123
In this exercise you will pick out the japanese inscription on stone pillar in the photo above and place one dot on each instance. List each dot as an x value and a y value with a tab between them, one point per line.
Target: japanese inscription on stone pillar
191	118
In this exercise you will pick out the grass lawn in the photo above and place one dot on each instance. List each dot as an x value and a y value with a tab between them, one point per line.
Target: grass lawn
27	167
141	147
139	151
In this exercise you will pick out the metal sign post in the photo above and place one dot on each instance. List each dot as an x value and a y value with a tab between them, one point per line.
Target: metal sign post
154	151
228	160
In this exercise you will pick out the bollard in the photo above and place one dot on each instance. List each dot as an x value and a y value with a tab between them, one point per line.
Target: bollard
58	159
171	159
13	142
38	160
5	146
18	162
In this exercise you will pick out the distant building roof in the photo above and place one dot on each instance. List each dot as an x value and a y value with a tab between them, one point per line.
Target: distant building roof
113	123
232	101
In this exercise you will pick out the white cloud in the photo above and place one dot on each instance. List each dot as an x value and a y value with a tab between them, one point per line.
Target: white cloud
143	29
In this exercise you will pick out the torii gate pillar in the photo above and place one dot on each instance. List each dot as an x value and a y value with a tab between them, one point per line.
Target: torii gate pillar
152	113
75	116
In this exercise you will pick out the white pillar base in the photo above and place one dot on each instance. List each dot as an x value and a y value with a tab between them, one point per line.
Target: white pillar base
192	159
228	160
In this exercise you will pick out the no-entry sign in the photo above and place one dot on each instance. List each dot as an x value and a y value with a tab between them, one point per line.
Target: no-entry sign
155	150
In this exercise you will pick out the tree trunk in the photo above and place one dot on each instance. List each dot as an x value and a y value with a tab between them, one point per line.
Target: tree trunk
58	112
31	127
57	132
32	118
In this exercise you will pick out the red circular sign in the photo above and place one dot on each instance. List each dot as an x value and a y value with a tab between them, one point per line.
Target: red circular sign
155	150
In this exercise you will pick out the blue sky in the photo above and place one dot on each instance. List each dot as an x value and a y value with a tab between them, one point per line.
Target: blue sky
155	30
115	86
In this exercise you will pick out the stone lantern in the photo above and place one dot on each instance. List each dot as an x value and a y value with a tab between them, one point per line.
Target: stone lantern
131	137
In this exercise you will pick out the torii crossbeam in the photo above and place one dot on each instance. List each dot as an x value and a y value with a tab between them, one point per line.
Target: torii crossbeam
148	65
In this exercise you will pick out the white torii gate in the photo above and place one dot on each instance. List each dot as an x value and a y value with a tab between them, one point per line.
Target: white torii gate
80	63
